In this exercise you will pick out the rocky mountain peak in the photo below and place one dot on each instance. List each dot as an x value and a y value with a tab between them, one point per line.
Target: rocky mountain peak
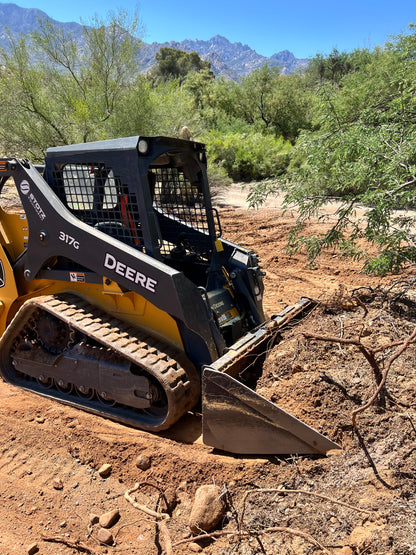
230	60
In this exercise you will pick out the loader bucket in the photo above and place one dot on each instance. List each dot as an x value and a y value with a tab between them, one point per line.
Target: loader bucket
237	419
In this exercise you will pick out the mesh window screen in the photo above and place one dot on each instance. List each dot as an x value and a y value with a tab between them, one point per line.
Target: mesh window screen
93	193
175	197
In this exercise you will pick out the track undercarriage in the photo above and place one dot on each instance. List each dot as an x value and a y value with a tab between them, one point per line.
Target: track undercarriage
64	348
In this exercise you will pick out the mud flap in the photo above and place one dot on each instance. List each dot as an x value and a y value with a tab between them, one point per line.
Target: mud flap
237	419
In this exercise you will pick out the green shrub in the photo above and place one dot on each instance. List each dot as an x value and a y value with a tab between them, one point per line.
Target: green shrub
217	176
248	156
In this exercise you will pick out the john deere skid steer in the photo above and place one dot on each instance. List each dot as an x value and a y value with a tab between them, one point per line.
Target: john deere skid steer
120	296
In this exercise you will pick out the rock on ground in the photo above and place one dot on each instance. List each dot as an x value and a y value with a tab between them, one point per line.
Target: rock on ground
208	509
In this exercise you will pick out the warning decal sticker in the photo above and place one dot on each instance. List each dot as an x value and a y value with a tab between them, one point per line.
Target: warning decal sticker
77	277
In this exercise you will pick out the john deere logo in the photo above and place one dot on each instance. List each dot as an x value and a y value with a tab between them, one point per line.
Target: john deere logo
2	277
25	187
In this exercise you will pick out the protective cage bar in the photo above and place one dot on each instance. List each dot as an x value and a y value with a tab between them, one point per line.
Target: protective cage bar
175	197
94	194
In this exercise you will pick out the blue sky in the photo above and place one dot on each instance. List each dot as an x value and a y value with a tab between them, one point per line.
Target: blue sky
305	27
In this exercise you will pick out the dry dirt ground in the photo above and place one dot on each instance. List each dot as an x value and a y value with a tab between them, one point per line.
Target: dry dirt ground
360	500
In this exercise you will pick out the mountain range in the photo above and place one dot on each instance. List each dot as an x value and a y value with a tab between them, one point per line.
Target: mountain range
229	60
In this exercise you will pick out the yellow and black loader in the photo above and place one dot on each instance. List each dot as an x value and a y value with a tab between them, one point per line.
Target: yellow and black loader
120	296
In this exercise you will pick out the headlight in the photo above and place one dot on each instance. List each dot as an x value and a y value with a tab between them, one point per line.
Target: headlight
143	146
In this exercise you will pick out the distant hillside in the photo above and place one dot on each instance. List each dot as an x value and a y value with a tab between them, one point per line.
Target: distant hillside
230	60
24	20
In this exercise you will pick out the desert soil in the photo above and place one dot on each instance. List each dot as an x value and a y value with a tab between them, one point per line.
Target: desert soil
359	500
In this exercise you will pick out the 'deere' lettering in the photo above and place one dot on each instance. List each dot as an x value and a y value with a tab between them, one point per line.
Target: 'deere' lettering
129	273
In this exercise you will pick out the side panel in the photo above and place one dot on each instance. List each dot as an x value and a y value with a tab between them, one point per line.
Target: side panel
13	237
8	289
14	232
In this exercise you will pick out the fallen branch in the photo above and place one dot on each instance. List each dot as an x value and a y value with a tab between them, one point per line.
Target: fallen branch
393	357
368	353
390	345
250	533
155	514
78	545
158	515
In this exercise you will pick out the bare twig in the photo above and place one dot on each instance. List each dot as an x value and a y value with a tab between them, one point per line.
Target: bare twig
158	515
368	353
155	514
390	345
341	323
78	545
132	524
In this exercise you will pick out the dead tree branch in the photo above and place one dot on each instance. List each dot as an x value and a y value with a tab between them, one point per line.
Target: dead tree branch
139	506
78	545
390	361
368	353
158	515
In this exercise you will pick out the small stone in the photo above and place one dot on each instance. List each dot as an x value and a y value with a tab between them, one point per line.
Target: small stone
361	536
105	536
208	509
57	483
32	549
171	498
143	462
63	524
182	486
94	519
105	470
195	547
40	419
107	520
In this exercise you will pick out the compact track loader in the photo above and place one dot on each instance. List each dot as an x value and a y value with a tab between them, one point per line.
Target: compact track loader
120	296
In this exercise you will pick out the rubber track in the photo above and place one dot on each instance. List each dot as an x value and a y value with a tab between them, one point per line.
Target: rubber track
169	366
